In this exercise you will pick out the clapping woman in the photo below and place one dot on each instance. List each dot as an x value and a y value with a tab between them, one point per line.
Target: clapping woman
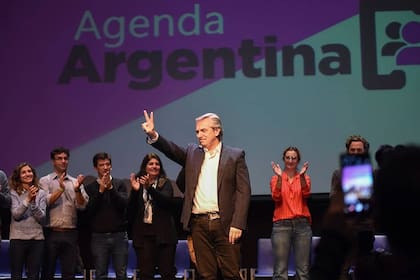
290	188
29	203
152	226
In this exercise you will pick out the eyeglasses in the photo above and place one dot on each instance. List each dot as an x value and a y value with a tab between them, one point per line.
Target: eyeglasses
290	158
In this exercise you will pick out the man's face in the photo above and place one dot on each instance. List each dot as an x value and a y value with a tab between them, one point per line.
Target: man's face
103	167
356	148
206	133
60	162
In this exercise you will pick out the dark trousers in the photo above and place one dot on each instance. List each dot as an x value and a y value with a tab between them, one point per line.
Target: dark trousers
26	254
151	255
213	250
110	246
62	246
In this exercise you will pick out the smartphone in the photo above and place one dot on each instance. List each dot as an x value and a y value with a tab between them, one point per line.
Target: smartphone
356	183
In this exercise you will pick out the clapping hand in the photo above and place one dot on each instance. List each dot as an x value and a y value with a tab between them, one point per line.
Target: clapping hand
276	168
135	182
79	181
304	168
105	182
32	193
61	181
145	181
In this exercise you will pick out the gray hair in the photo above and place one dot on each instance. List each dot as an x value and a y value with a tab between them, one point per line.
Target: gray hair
217	123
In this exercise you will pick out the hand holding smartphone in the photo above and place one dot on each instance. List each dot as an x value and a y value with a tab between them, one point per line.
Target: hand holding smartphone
356	183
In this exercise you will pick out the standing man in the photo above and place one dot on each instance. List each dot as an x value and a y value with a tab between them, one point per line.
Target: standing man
65	195
355	145
107	209
364	226
216	194
5	200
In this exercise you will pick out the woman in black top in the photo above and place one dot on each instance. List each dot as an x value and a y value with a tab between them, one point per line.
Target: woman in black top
152	226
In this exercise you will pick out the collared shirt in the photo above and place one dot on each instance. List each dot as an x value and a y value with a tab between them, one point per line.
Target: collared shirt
63	212
205	198
290	200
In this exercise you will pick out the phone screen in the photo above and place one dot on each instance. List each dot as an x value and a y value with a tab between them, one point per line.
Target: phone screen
357	183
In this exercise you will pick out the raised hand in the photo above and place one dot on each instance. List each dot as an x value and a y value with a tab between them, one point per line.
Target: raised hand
32	193
61	181
276	168
149	125
135	182
304	168
145	181
105	182
79	181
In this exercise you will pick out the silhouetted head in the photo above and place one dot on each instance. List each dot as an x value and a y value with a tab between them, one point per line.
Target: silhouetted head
397	196
382	153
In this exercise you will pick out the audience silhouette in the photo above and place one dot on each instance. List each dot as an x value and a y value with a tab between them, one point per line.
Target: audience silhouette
397	192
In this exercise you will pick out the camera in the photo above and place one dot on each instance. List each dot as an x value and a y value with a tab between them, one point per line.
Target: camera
356	183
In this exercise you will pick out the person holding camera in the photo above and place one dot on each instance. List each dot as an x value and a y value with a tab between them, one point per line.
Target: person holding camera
363	225
397	184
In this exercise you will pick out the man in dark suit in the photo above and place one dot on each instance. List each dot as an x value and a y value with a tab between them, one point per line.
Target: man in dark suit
217	192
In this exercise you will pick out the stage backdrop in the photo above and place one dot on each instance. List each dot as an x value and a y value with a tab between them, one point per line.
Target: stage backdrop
279	73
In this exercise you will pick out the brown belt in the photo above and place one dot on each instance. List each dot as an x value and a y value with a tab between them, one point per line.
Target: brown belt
208	215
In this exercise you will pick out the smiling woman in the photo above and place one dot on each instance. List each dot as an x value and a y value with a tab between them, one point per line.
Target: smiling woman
29	204
292	220
151	221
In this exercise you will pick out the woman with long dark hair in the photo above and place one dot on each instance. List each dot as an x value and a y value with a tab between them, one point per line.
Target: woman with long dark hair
152	226
29	203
